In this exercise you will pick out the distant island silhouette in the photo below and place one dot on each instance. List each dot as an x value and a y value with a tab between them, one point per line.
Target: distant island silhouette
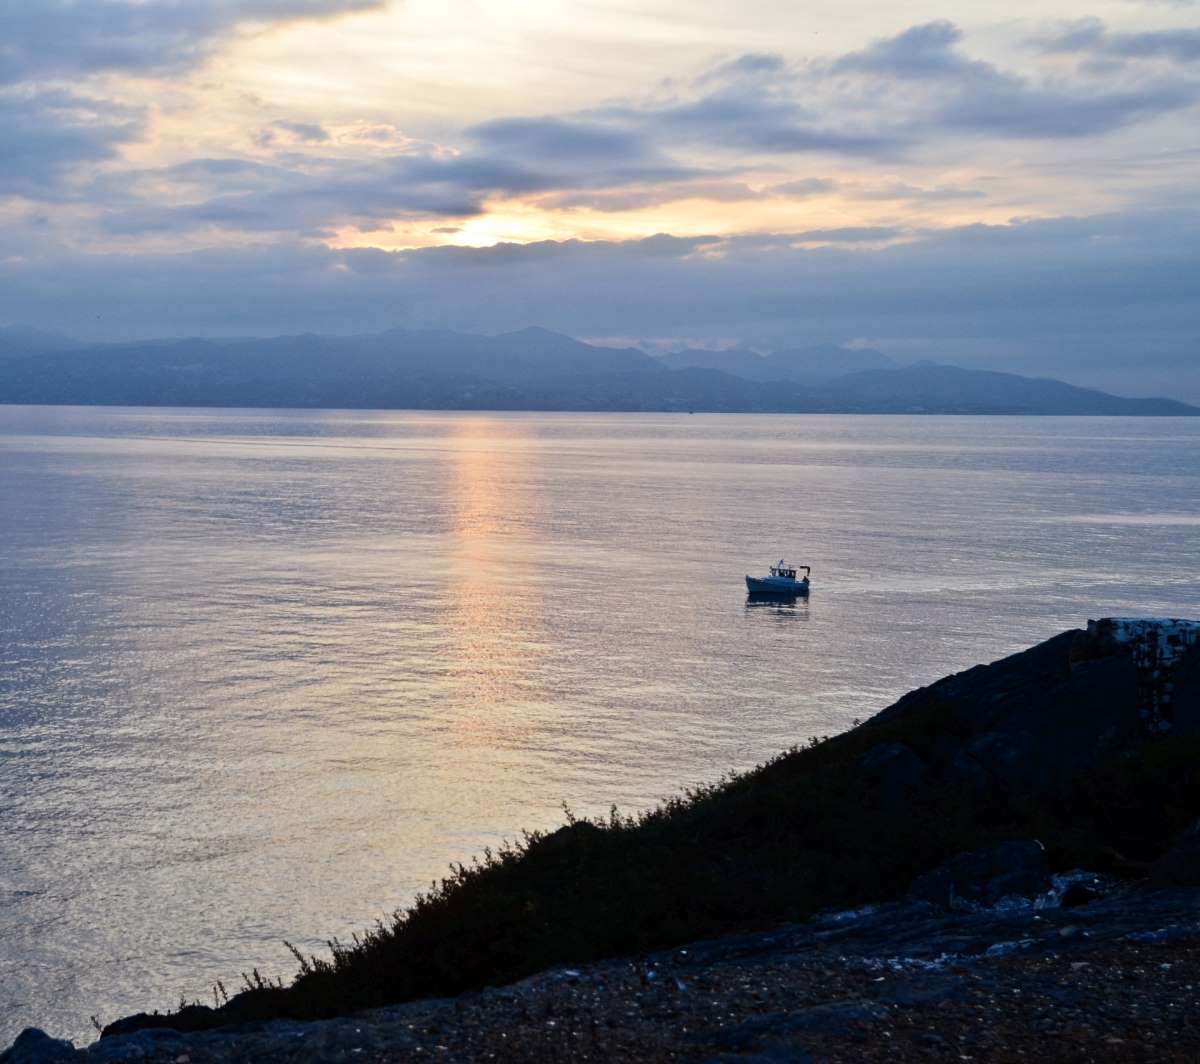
531	369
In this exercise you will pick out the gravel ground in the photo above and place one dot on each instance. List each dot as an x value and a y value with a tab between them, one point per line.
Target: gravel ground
1132	1002
1114	981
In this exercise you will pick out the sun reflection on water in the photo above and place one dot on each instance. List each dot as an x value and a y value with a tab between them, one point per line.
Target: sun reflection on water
495	622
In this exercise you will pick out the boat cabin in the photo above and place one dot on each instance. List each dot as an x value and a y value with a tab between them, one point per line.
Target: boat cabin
787	572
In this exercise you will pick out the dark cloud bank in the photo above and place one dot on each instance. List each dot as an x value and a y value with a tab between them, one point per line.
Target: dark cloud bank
49	39
1108	301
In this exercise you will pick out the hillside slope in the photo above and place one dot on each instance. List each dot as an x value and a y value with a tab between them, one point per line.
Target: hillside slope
1089	742
953	390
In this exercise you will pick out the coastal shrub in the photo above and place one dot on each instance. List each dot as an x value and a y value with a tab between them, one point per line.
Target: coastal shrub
1128	810
794	835
807	830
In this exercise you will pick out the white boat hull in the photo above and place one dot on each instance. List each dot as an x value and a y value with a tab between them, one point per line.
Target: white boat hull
776	585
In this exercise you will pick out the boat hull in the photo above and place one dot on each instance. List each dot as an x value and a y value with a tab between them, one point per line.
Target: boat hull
777	586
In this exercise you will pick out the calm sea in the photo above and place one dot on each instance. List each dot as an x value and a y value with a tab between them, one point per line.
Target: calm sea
264	674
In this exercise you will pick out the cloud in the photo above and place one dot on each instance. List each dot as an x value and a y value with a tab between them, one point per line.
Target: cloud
848	234
950	92
748	66
51	39
742	117
311	197
310	194
920	53
632	199
1092	35
553	139
48	132
891	191
805	188
48	129
576	150
1029	113
305	132
883	102
902	190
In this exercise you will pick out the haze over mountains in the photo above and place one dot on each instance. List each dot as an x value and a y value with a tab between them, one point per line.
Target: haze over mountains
531	369
804	365
16	341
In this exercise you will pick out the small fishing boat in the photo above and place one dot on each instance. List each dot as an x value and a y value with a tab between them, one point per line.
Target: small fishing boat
781	582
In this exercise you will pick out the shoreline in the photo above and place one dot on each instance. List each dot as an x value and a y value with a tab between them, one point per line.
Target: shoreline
1090	739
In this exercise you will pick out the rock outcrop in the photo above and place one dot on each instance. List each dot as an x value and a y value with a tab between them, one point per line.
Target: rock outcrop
1011	870
1026	723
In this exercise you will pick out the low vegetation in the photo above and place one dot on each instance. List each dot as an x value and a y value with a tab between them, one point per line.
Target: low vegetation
803	832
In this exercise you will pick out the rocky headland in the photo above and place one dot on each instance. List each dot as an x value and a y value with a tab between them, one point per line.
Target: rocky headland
1004	865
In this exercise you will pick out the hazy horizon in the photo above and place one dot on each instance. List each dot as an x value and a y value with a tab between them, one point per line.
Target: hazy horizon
819	366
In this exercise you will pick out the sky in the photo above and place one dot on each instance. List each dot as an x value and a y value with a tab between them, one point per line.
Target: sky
1008	186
